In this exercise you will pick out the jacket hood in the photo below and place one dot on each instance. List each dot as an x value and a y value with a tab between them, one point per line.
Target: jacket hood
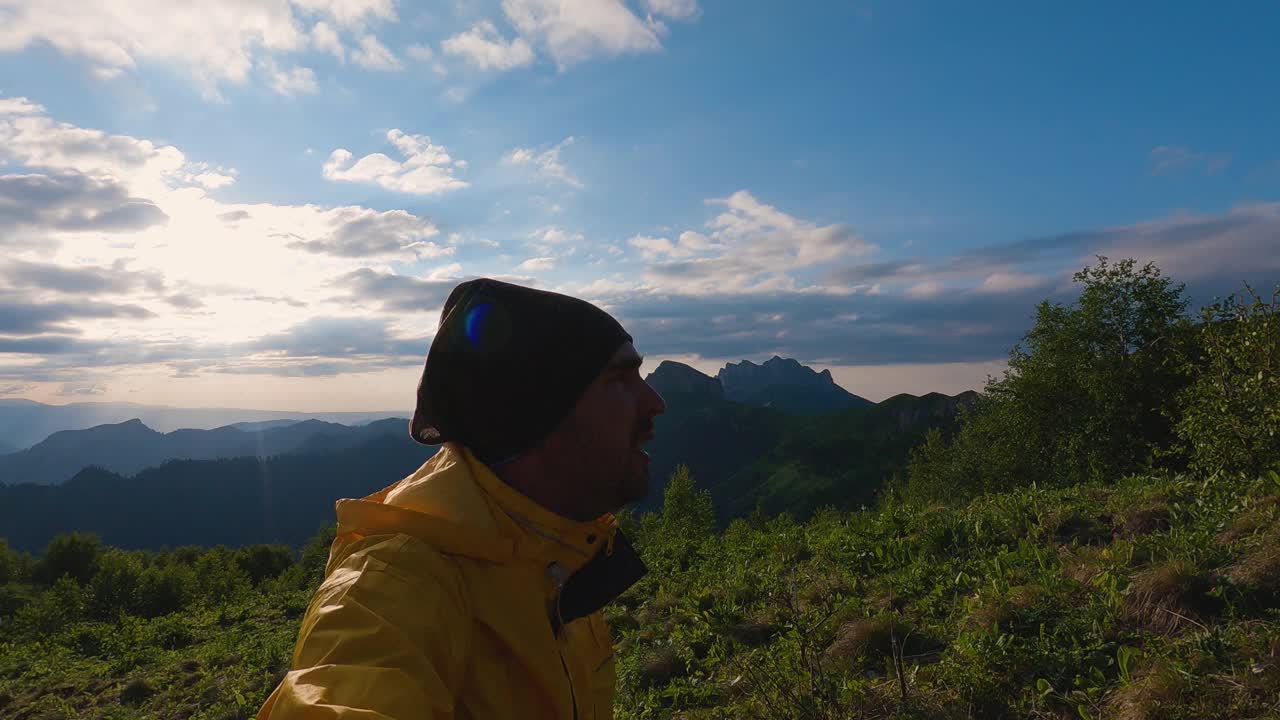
456	504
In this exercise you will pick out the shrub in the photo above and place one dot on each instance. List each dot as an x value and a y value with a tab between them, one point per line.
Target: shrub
1230	415
54	609
262	562
308	572
171	633
75	555
163	589
115	587
687	513
218	577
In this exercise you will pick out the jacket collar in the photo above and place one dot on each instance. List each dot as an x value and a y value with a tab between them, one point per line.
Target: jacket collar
539	533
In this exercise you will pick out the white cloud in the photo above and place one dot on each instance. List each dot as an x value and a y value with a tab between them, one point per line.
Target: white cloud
486	49
19	106
420	52
444	272
351	13
1000	282
290	81
325	39
675	9
358	232
537	263
546	163
215	42
557	236
374	55
36	141
134	236
574	30
752	247
426	170
654	248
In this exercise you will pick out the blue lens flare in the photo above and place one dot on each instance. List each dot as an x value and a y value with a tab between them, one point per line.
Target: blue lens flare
476	321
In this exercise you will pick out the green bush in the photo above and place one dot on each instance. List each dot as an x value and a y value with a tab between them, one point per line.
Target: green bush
218	577
164	589
262	562
53	610
308	572
1230	415
116	587
75	555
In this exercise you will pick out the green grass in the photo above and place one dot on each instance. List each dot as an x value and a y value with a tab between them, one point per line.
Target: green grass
1155	597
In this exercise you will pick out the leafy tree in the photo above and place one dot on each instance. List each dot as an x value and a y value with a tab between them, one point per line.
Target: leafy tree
1230	415
75	554
1089	393
687	513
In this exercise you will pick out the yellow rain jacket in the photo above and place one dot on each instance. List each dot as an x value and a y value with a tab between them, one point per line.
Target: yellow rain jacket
438	602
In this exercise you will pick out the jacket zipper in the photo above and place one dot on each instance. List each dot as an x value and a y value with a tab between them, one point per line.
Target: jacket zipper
559	583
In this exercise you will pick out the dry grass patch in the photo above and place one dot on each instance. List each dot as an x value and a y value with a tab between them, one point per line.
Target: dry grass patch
1257	517
1082	566
753	632
1151	517
659	666
827	588
1259	571
1073	526
1006	611
872	638
656	608
1148	696
1169	597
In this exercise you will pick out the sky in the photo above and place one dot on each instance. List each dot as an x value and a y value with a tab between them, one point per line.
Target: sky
264	204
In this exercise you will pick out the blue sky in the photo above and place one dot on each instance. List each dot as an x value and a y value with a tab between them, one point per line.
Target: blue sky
263	205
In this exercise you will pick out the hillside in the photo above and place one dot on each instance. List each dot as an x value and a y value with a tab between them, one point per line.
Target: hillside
236	501
1157	597
131	446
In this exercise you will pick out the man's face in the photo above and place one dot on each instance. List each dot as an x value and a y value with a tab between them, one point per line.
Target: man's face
598	447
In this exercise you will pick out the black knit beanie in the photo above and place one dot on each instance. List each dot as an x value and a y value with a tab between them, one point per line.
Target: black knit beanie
507	364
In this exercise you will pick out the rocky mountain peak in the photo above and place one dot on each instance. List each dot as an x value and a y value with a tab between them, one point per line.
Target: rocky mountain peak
674	378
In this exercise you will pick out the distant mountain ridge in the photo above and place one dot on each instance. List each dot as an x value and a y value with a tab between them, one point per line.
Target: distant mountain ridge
747	455
24	423
785	384
128	447
821	445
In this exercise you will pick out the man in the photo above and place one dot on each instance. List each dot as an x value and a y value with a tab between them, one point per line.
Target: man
473	588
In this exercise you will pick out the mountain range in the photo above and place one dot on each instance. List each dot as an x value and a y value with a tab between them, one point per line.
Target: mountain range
801	442
129	447
24	423
787	385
